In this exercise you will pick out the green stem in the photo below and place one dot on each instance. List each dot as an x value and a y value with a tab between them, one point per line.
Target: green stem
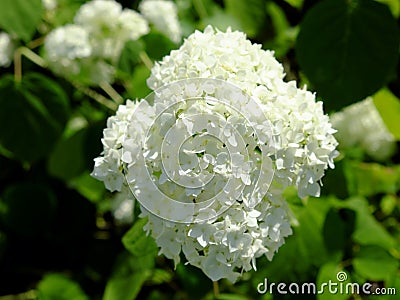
17	65
32	56
216	289
112	92
146	60
95	96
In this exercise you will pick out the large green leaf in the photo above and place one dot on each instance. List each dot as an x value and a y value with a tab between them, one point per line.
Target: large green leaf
375	263
348	49
58	286
368	231
20	17
32	116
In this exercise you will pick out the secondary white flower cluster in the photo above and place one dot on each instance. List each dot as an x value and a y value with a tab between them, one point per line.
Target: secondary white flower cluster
92	45
164	15
360	124
193	150
6	49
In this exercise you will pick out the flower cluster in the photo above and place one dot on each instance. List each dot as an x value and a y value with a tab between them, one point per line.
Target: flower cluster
223	139
6	49
306	144
360	124
92	45
164	15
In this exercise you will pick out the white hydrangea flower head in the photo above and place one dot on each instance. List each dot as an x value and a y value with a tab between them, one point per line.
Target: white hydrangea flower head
306	146
110	26
210	158
6	49
65	46
164	15
360	124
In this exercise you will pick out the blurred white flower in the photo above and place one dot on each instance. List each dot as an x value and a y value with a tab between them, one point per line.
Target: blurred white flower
240	151
91	47
109	26
164	15
65	46
6	49
360	124
49	4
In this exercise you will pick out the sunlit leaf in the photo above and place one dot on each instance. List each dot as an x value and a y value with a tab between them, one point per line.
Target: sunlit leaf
60	287
375	263
388	106
20	17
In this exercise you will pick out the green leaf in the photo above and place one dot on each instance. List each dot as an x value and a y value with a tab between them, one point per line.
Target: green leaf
60	287
67	159
130	56
285	36
32	116
251	14
92	189
368	231
28	208
126	281
348	49
295	3
328	273
138	87
339	223
20	17
157	45
394	6
367	179
140	245
374	263
388	106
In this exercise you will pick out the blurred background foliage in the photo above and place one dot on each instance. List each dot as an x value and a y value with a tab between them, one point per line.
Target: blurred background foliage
59	238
